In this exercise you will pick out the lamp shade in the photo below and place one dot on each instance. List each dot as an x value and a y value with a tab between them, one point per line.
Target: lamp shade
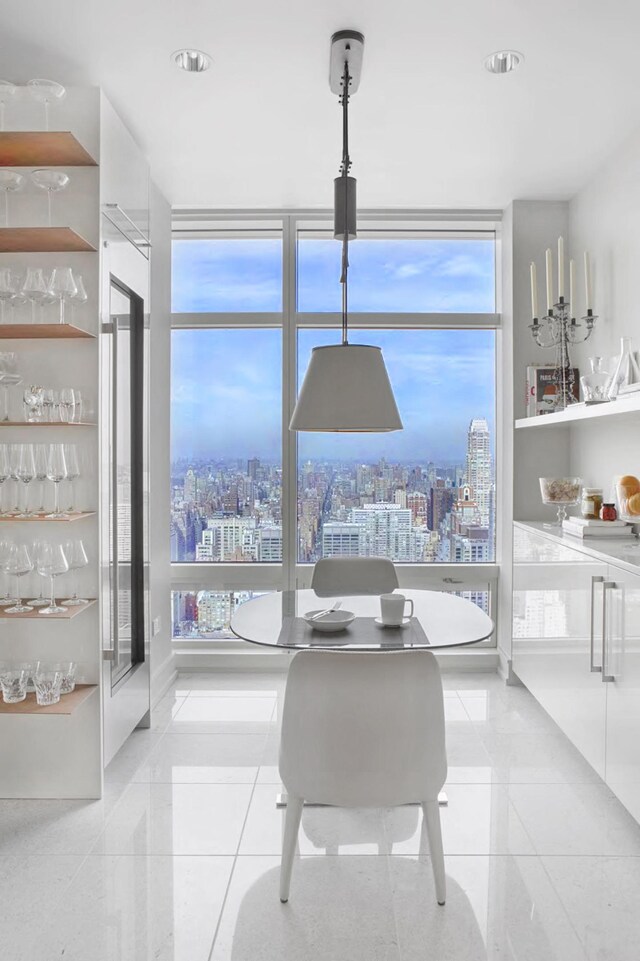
346	388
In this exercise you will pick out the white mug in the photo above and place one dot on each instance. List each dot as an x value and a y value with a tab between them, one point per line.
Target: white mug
392	608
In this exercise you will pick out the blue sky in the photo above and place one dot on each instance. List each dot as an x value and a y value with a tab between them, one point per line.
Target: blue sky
226	384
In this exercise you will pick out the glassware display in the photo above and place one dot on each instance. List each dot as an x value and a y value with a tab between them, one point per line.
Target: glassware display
18	564
560	492
46	92
56	473
47	680
52	563
14	680
10	377
595	385
62	287
10	181
52	181
77	559
73	473
7	92
25	472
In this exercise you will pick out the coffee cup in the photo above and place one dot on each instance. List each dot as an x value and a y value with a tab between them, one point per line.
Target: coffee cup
392	609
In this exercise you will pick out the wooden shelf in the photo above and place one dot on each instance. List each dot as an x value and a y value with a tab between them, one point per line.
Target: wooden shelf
42	148
42	240
66	705
35	615
42	518
42	332
624	407
45	423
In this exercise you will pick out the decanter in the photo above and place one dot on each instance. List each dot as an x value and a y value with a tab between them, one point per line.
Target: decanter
595	385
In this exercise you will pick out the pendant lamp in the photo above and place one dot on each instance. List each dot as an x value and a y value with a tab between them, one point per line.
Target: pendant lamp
346	387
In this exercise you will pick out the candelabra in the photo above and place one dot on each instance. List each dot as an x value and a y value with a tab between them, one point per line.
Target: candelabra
558	329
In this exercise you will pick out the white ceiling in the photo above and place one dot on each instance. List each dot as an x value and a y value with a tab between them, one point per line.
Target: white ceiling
429	126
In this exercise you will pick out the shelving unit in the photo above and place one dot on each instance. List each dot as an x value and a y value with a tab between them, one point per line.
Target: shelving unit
42	148
35	615
67	704
43	332
35	423
42	240
44	519
626	406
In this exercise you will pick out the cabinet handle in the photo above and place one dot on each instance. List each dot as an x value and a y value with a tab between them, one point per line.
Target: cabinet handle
607	585
595	579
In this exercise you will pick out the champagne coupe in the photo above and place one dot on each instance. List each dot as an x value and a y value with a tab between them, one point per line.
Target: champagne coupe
46	92
73	473
36	550
67	405
41	456
18	563
5	551
77	559
10	181
5	474
52	563
63	287
36	289
7	91
52	181
25	473
9	377
56	472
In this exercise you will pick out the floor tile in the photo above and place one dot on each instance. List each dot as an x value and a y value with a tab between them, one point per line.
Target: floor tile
340	909
176	819
601	897
240	684
536	758
510	711
224	715
468	682
165	710
204	759
135	750
467	759
50	827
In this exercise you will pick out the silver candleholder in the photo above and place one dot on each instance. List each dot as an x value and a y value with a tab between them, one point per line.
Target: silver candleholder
559	330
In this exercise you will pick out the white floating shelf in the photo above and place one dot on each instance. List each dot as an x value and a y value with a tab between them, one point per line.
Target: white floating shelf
626	406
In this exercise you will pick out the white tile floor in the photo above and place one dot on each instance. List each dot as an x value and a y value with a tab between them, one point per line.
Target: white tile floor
180	860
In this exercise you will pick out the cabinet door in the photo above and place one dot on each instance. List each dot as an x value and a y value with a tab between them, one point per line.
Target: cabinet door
622	667
557	637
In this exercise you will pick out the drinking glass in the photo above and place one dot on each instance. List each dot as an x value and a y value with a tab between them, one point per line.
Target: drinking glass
77	559
5	474
9	377
56	472
19	564
46	92
32	398
48	404
47	679
63	287
14	679
7	290
41	456
52	563
80	297
36	549
73	473
7	598
36	289
77	407
10	181
67	404
68	670
7	91
52	181
25	473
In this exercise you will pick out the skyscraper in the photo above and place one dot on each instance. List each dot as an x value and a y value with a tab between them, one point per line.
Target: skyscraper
478	467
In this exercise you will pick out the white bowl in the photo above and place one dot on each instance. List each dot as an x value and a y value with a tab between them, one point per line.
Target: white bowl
331	622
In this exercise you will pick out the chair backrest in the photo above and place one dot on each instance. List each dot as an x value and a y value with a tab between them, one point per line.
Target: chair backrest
333	576
363	730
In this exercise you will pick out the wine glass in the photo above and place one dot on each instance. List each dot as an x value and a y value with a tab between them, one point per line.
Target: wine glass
73	472
8	289
5	473
7	91
35	289
52	181
9	377
36	549
18	564
5	550
77	559
18	299
81	297
63	287
41	460
67	404
10	181
56	472
25	472
52	563
46	92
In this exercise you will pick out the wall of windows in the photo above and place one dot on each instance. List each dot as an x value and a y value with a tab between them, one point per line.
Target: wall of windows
253	505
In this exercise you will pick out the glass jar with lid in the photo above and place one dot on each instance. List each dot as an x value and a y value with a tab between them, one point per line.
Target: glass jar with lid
591	504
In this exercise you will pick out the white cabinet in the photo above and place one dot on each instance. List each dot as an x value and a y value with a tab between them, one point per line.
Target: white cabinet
557	624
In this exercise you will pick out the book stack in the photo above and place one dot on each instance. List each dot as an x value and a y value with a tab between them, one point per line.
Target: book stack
581	527
541	389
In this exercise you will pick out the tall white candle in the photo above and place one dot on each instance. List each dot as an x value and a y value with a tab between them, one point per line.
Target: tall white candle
549	263
572	286
560	267
534	291
587	279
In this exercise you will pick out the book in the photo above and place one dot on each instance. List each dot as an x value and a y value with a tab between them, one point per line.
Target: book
592	523
595	533
541	389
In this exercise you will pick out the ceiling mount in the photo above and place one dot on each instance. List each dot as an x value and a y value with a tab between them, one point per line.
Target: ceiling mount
347	46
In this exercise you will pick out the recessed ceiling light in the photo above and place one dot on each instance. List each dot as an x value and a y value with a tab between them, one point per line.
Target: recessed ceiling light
193	61
503	61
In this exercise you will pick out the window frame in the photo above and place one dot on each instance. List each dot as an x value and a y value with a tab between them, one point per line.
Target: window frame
187	576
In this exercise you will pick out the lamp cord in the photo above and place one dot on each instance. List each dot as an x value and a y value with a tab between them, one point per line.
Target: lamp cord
344	170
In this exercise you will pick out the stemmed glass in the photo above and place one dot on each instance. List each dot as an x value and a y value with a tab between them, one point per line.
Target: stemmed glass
7	91
8	290
52	563
62	286
18	563
41	462
10	181
9	377
5	474
81	297
7	597
77	559
52	181
45	91
36	550
25	472
73	473
36	289
56	472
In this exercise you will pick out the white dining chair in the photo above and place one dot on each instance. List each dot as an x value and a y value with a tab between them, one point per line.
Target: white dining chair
363	730
333	576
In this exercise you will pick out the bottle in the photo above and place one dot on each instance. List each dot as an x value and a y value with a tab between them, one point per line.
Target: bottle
608	512
591	503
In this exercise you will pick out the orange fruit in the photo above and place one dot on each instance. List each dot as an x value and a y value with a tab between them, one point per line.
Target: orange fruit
633	504
630	484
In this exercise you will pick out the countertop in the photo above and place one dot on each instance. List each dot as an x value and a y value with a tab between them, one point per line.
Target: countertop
623	552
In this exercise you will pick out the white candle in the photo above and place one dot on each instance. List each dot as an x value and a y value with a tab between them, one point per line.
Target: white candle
560	268
572	286
587	279
549	262
534	291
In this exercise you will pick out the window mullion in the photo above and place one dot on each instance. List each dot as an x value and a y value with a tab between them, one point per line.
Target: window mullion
289	378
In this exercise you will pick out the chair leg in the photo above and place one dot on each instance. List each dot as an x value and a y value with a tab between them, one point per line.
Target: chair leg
431	812
291	828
